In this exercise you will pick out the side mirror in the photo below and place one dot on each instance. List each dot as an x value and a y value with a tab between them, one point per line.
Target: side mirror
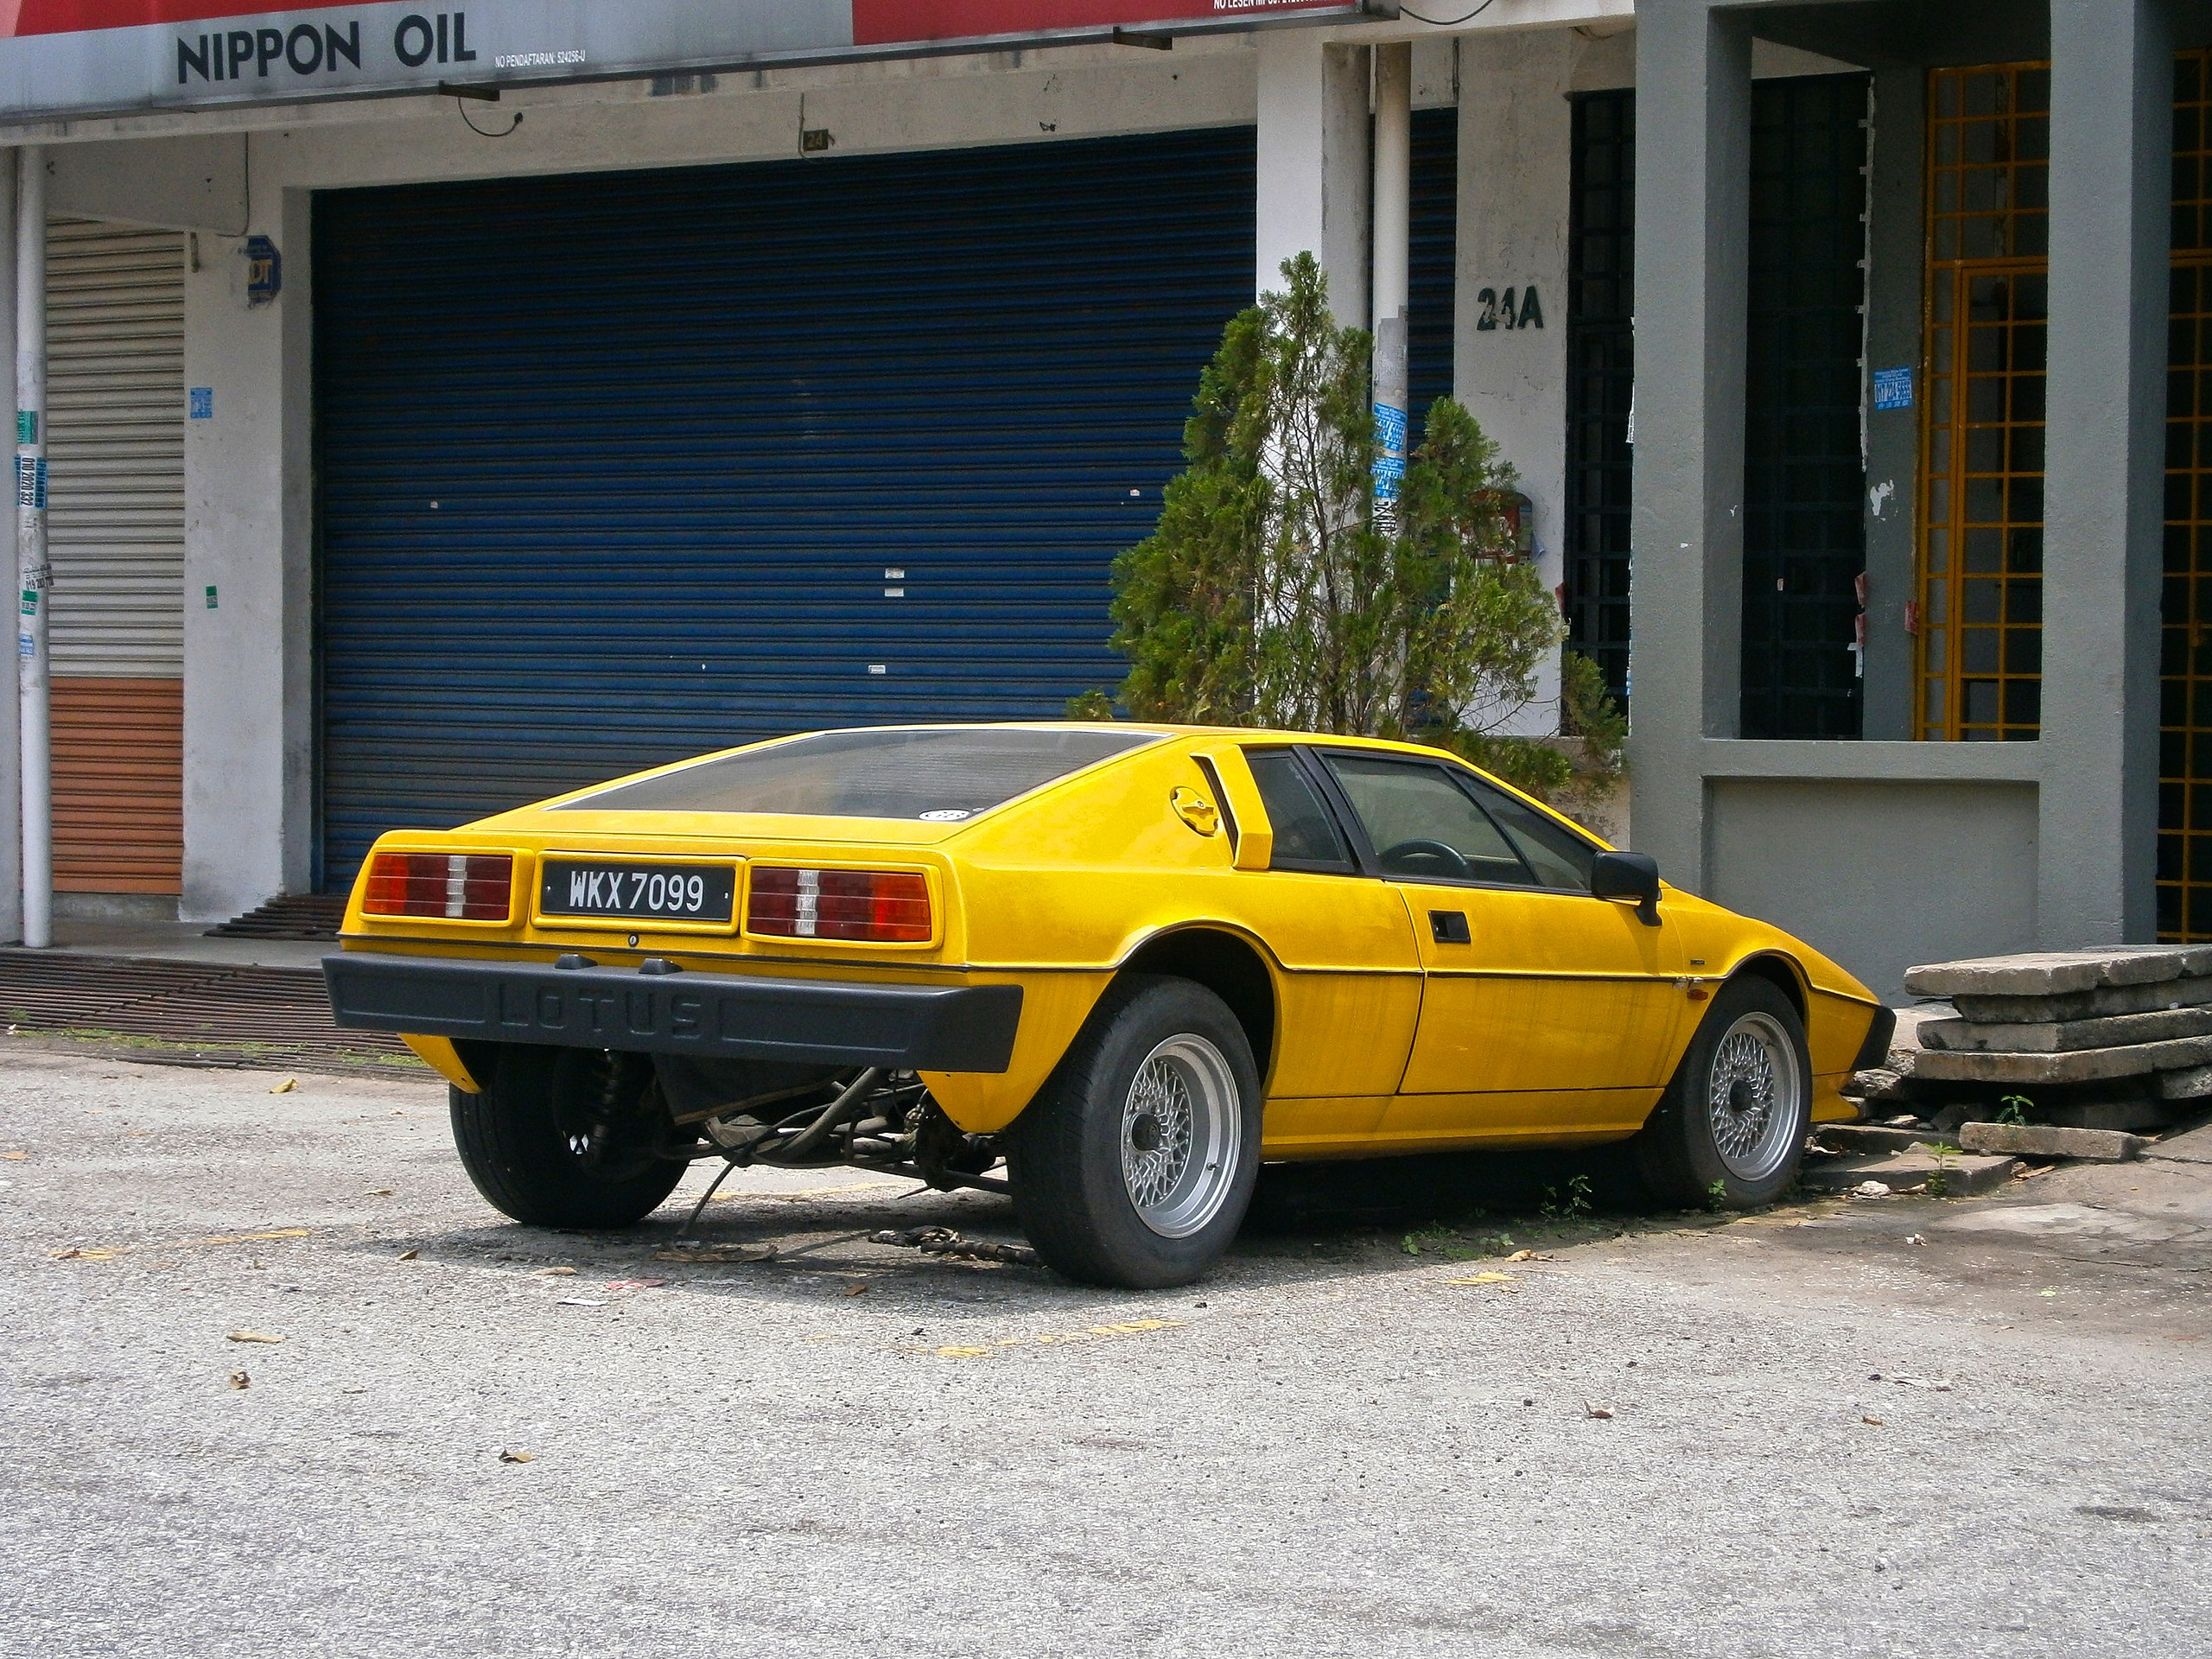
1629	879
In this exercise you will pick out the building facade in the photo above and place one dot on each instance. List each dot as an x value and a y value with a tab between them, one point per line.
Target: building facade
616	419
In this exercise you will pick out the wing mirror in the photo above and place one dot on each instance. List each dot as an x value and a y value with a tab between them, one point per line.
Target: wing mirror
1629	879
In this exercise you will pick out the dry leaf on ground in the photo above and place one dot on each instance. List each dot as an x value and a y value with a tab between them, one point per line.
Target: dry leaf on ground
512	1456
409	1256
286	1087
1589	1409
240	1380
253	1335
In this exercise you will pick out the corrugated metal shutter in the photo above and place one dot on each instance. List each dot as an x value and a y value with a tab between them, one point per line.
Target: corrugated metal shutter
115	433
618	468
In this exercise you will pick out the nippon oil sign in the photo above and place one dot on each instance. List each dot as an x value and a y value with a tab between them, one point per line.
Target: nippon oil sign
84	57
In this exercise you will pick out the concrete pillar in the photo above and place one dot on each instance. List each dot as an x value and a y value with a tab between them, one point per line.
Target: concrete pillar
248	689
34	658
2111	133
1693	182
1897	267
11	777
1390	291
1312	194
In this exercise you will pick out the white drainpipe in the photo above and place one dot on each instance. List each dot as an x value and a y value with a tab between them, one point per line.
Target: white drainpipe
34	665
1393	209
11	823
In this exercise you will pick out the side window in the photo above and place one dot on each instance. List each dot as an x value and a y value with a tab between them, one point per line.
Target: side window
1425	828
1559	857
1305	835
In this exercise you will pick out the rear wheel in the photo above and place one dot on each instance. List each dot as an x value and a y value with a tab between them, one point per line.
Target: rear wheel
565	1137
1730	1131
1135	1166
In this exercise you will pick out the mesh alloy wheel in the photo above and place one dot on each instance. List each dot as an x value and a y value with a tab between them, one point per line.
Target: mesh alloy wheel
1182	1127
1754	1093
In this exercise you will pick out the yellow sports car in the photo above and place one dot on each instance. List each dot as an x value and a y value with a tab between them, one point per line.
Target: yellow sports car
1130	962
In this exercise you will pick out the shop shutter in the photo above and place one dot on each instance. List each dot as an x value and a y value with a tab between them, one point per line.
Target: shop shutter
114	529
621	467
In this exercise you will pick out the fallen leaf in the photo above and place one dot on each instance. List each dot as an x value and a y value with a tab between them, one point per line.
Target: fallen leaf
1914	1238
15	1157
1873	1422
1482	1278
962	1353
582	1301
84	1253
512	1456
240	1380
855	1290
2046	1293
381	1192
286	1087
409	1256
1595	1410
557	1273
253	1335
1528	1256
352	1390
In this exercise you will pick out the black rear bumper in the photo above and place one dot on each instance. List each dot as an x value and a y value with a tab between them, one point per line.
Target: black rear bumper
1876	1049
828	1022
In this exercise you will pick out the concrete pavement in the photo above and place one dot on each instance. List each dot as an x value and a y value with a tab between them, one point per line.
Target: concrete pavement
1903	1426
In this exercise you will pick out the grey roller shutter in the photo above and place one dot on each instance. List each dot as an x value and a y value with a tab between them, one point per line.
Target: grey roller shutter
115	432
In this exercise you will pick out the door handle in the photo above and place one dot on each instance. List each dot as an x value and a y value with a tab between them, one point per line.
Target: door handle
1449	927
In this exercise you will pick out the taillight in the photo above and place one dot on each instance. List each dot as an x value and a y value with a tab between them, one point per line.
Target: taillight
885	907
460	887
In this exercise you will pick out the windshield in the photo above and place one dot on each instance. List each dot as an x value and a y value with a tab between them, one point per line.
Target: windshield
939	774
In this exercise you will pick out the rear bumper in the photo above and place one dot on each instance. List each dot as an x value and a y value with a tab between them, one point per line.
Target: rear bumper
828	1022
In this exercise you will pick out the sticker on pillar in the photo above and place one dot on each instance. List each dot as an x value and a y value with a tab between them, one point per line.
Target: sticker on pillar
26	426
202	402
210	595
264	271
30	482
1893	388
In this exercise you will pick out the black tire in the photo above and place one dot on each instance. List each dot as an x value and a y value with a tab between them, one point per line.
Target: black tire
1715	1141
564	1137
1074	1186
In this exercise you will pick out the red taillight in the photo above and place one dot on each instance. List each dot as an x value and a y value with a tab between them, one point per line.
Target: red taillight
884	907
460	887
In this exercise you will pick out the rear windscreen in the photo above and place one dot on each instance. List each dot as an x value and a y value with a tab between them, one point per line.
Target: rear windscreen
938	775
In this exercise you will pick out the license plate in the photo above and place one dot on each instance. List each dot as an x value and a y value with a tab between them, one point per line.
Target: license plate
652	892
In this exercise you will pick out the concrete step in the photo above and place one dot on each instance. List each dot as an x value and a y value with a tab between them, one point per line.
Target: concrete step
2054	973
2045	1141
2064	1036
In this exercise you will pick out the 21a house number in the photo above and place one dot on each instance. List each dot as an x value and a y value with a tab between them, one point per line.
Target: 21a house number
1515	309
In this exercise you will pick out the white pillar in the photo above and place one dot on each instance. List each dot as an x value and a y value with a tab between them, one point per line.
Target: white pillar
1312	188
11	777
34	665
1394	186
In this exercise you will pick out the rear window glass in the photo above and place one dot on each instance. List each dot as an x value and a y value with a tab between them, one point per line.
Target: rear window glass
1305	836
937	774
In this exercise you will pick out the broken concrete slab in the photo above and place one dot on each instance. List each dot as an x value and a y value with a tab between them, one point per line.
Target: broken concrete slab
2190	1146
2195	991
2190	1082
2045	1141
2064	1036
2050	973
2132	1114
1959	1174
1867	1138
2083	1065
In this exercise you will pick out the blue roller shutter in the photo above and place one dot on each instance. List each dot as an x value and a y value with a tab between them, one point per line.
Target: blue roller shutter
616	468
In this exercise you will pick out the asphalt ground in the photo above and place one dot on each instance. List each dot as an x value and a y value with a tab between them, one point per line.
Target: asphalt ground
1903	1426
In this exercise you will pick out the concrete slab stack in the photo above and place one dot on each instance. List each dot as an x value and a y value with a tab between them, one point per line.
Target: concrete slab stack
2116	1039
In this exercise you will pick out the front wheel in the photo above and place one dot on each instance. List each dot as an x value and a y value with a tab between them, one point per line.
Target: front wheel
1730	1131
1135	1166
565	1137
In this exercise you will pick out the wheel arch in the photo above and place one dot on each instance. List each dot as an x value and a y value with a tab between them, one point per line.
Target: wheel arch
1783	975
1228	963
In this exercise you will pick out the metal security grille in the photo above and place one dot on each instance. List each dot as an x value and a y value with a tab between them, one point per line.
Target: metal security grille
1601	379
1980	605
115	418
2185	702
1432	269
1804	529
623	467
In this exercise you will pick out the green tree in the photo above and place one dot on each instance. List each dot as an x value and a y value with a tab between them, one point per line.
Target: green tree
1267	595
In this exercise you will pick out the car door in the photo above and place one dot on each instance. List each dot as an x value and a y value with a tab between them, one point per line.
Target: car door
1544	1010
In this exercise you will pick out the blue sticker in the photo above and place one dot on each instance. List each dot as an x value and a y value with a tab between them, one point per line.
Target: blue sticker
1893	388
1389	430
203	403
31	481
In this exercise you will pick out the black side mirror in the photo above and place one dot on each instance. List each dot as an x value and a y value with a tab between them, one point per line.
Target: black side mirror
1629	879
